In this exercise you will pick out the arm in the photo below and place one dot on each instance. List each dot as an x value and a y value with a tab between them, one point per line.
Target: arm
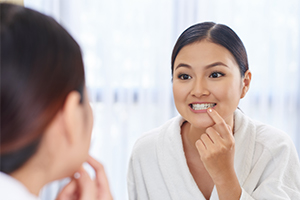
216	148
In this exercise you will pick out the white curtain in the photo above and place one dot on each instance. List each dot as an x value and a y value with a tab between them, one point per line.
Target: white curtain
127	47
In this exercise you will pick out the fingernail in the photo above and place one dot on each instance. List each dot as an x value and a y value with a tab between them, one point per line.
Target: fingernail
209	110
77	175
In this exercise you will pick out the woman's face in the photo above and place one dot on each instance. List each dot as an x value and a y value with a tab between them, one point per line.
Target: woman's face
206	75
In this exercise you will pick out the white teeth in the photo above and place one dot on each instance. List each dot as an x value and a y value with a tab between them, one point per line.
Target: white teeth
202	106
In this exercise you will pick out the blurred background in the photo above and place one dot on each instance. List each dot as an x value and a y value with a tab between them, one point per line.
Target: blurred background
127	45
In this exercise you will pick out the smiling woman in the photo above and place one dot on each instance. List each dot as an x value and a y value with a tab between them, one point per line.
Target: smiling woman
212	150
213	77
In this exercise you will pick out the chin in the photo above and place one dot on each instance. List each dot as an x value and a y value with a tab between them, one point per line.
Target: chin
201	123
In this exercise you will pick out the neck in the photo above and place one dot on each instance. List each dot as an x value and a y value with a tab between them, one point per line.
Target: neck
190	135
32	181
32	176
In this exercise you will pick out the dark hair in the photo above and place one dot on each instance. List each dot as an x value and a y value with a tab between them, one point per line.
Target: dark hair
40	65
218	34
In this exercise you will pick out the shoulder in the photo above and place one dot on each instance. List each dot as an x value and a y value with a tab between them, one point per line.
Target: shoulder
268	135
274	160
273	140
263	138
262	133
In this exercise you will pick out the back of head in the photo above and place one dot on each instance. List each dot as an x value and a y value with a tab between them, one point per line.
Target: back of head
40	65
216	33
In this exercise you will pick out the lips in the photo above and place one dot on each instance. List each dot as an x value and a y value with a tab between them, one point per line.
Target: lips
202	106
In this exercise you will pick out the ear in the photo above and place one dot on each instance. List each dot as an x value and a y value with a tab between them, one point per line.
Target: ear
246	83
72	116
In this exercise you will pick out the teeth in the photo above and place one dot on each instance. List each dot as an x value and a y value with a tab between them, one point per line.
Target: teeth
202	106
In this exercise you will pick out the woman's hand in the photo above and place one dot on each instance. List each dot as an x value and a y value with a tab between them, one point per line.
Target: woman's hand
83	188
216	148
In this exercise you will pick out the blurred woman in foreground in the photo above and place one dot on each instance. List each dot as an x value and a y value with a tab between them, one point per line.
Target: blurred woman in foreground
46	119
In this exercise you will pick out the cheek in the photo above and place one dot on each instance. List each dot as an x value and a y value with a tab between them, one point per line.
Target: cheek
228	92
177	96
179	92
175	91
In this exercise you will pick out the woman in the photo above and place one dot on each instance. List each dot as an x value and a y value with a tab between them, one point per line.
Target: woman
46	119
212	150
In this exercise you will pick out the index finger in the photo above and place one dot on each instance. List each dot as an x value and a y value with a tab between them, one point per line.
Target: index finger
101	178
214	115
99	170
95	164
220	126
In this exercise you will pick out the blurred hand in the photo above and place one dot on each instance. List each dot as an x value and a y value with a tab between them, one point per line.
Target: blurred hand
84	188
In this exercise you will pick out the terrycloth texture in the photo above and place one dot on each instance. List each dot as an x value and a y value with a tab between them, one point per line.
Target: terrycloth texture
266	164
12	189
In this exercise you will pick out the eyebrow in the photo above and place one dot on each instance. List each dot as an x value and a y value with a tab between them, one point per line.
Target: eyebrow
206	67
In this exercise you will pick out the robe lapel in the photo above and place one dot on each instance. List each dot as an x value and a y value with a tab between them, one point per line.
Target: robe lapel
172	162
244	134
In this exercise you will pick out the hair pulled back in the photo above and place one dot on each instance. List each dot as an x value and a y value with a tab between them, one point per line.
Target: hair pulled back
216	33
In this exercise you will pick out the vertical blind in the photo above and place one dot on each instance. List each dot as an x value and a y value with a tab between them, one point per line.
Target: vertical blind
127	45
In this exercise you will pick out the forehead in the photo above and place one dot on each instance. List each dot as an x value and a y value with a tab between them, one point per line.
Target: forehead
204	53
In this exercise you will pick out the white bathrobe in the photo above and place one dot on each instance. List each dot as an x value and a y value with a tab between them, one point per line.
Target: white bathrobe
12	189
266	164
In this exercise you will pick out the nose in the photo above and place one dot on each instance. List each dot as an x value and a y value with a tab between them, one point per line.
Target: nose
199	88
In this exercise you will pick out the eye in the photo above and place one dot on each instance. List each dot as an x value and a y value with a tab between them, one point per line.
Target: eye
216	75
184	76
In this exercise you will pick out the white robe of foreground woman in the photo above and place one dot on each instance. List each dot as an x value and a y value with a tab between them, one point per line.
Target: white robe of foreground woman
266	164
